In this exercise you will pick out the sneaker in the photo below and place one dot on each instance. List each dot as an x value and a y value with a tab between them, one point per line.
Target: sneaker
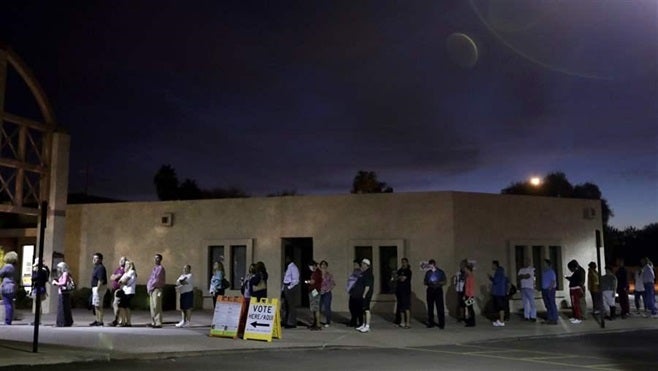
360	328
326	325
365	329
180	324
496	323
576	321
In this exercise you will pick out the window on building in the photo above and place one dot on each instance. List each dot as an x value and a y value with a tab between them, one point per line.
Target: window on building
555	255
519	257
238	264
388	256
537	258
215	254
363	252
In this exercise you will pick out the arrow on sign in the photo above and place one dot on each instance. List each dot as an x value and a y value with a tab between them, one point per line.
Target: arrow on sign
256	324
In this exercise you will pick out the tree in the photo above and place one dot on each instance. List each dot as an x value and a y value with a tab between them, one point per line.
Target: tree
285	192
189	190
556	184
366	182
166	183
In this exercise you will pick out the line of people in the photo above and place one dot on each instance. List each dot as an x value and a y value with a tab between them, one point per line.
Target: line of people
360	288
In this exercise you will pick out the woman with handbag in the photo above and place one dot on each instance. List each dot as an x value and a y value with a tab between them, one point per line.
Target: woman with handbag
259	282
128	283
216	282
65	285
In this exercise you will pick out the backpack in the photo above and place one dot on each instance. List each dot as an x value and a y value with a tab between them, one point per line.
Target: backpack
225	284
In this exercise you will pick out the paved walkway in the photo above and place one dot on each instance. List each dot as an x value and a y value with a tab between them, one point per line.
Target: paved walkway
84	343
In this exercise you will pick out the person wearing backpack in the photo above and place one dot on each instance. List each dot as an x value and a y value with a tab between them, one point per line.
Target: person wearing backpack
64	282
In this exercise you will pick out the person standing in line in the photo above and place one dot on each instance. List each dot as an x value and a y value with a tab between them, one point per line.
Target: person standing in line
116	289
154	288
354	303
623	288
328	285
648	279
314	290
435	278
499	292
548	287
9	287
40	277
98	288
469	295
64	315
216	289
290	293
527	283
128	284
608	291
576	290
364	286
403	293
459	281
185	287
638	292
594	287
259	281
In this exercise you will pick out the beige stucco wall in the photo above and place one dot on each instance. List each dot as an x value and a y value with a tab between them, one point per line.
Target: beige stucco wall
489	226
430	225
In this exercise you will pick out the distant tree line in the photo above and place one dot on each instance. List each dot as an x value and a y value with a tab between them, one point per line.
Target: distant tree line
168	188
630	244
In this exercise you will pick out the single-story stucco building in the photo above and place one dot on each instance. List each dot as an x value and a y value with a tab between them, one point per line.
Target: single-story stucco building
446	226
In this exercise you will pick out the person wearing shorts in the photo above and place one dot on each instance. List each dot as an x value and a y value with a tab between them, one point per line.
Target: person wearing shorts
365	284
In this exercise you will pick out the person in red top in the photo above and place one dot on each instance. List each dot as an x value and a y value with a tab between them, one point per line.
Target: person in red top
469	295
314	289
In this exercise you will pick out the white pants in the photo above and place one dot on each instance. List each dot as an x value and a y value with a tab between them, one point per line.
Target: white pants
608	300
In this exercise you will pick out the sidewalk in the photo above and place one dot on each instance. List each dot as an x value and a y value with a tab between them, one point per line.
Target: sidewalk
84	343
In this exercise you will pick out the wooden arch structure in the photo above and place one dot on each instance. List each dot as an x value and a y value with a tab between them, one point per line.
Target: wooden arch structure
25	144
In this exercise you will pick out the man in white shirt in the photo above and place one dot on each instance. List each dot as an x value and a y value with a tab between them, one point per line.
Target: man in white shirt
290	293
527	282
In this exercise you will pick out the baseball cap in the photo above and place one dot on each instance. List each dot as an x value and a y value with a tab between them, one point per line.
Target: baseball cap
366	261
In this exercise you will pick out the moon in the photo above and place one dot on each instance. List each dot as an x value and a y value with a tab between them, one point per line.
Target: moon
462	50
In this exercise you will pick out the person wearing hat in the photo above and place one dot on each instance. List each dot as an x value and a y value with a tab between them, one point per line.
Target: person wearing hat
435	278
362	291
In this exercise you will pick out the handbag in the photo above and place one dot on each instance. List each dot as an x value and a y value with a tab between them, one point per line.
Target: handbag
225	284
69	286
262	285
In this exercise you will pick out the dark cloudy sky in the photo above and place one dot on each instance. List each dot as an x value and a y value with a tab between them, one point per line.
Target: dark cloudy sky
274	95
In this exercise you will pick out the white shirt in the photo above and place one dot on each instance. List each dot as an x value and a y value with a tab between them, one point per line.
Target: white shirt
291	277
130	279
187	286
639	285
527	283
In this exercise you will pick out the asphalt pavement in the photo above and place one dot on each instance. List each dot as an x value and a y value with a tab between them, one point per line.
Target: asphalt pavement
82	343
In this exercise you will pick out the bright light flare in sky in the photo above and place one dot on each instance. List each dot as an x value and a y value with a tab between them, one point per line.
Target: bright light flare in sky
535	181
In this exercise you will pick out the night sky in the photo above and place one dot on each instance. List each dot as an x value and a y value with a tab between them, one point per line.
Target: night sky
276	95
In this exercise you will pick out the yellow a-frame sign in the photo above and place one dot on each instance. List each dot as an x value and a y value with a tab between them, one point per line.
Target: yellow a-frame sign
262	322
